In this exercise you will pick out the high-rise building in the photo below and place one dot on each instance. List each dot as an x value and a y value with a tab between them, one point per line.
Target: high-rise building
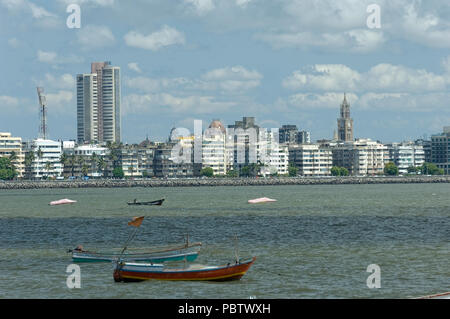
87	108
440	150
214	152
345	123
288	134
98	104
242	141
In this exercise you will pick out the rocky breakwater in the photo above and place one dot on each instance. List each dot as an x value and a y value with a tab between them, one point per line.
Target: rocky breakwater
192	182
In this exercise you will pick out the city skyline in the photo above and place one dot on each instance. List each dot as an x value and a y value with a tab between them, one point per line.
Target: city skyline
210	59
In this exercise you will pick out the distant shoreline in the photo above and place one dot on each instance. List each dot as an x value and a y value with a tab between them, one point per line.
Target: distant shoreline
197	182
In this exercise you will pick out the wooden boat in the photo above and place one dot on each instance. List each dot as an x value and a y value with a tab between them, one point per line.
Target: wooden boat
444	295
187	251
155	202
62	202
129	272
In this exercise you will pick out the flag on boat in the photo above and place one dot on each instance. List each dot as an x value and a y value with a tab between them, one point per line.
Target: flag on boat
136	221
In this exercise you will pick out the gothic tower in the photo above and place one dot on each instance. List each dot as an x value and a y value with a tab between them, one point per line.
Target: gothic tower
345	123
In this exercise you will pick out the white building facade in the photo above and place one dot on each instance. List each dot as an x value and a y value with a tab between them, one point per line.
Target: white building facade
311	159
361	157
405	155
12	146
47	159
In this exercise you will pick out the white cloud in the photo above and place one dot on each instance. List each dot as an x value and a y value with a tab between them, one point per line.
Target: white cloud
424	27
50	82
406	102
446	64
8	102
232	73
356	41
329	100
14	43
134	66
380	78
166	36
54	58
243	3
164	103
100	3
40	15
61	102
46	56
201	7
95	37
228	80
39	12
327	77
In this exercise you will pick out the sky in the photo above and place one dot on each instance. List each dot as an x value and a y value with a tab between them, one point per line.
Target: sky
280	61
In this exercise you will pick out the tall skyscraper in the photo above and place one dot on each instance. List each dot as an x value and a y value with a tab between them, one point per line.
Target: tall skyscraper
345	123
98	104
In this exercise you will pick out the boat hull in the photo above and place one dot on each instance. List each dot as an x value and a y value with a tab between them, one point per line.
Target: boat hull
189	253
131	273
155	202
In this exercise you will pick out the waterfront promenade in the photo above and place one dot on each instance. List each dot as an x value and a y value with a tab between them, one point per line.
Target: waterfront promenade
187	182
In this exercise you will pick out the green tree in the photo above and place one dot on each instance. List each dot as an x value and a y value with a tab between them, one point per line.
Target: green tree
344	171
413	169
335	171
48	167
29	159
85	169
293	171
115	152
430	169
207	171
118	172
245	171
101	164
7	169
391	169
232	173
339	171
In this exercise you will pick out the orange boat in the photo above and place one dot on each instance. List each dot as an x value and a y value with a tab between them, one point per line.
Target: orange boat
129	272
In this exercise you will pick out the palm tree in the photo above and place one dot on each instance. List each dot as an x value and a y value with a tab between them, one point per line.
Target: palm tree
79	160
72	161
40	155
85	169
48	167
64	160
13	156
29	159
101	164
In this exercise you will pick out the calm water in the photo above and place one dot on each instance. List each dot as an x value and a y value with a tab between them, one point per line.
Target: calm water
315	242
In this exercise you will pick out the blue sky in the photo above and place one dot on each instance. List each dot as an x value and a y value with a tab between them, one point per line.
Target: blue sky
281	61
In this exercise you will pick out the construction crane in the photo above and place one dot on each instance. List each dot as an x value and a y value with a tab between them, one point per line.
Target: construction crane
42	113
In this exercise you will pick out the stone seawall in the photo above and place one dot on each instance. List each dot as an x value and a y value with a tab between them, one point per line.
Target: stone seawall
223	182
